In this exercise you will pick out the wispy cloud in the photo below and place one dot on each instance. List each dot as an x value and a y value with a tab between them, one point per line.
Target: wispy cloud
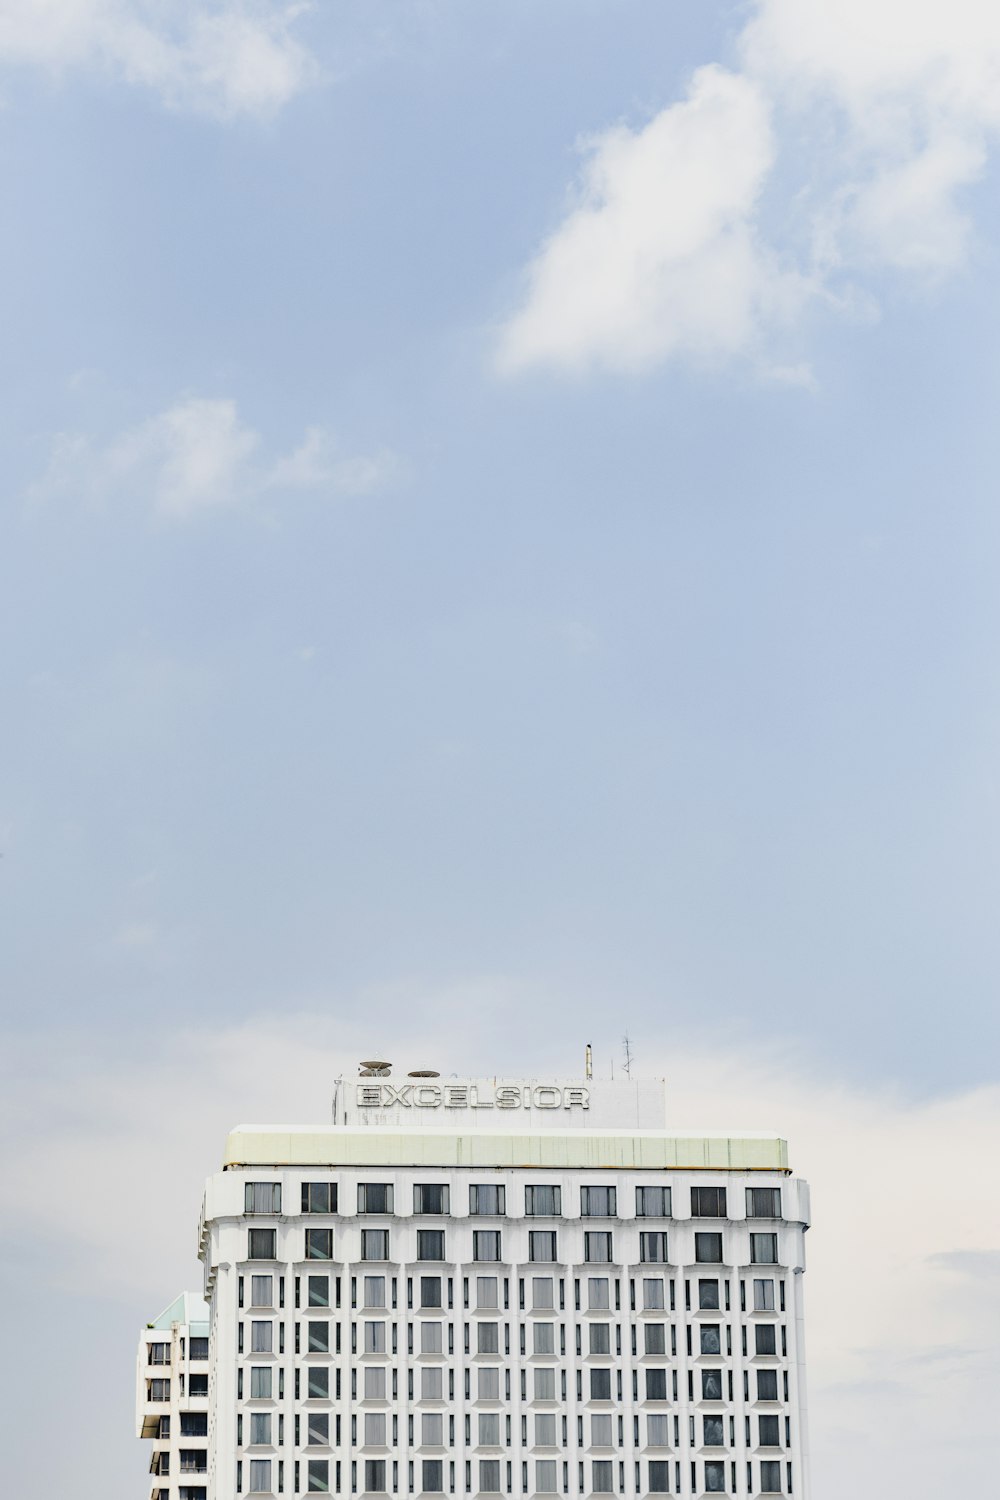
223	59
200	455
859	122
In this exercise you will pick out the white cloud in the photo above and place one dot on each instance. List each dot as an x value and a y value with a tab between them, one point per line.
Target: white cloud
902	1291
224	59
200	455
660	256
862	120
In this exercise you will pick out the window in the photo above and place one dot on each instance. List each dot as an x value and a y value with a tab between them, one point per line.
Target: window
374	1244
318	1291
374	1197
430	1291
545	1430
193	1423
763	1296
318	1387
597	1246
374	1338
708	1296
262	1198
598	1293
708	1203
489	1475
601	1430
318	1339
431	1338
198	1348
708	1247
375	1476
486	1244
489	1429
598	1202
652	1203
198	1385
486	1291
767	1385
545	1476
432	1429
318	1476
657	1432
764	1249
656	1385
600	1338
541	1244
319	1244
260	1382
262	1244
374	1429
543	1201
653	1248
543	1338
711	1385
711	1432
770	1477
542	1291
487	1198
262	1338
715	1478
655	1338
652	1293
710	1338
432	1476
159	1354
544	1384
261	1291
602	1480
764	1339
319	1197
768	1434
659	1477
430	1244
764	1203
488	1385
430	1197
374	1385
260	1476
374	1291
600	1385
432	1383
260	1429
488	1338
317	1429
159	1390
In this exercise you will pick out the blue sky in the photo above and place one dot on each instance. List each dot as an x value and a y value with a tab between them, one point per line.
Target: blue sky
499	535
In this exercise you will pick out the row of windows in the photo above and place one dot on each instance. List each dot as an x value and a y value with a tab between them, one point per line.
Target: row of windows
493	1476
159	1353
433	1337
375	1429
649	1293
429	1383
540	1200
543	1246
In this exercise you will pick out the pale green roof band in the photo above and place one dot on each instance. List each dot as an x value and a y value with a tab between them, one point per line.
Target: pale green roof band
285	1146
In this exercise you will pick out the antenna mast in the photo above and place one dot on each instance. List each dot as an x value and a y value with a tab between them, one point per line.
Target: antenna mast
627	1044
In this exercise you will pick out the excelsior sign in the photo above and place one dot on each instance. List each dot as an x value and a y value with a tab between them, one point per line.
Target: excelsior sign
471	1096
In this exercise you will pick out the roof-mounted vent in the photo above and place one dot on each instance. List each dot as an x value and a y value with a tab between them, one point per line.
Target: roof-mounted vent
424	1073
375	1068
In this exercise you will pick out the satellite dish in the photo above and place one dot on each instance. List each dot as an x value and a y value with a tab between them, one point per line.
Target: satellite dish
423	1073
375	1068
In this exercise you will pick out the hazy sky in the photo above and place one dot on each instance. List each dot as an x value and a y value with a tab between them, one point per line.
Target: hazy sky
499	546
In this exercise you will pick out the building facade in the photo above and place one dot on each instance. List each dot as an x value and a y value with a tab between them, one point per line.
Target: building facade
172	1398
503	1288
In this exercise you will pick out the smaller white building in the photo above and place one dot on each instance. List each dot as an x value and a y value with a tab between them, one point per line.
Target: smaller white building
171	1398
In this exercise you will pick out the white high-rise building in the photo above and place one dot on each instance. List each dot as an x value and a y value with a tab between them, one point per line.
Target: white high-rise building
171	1398
503	1288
